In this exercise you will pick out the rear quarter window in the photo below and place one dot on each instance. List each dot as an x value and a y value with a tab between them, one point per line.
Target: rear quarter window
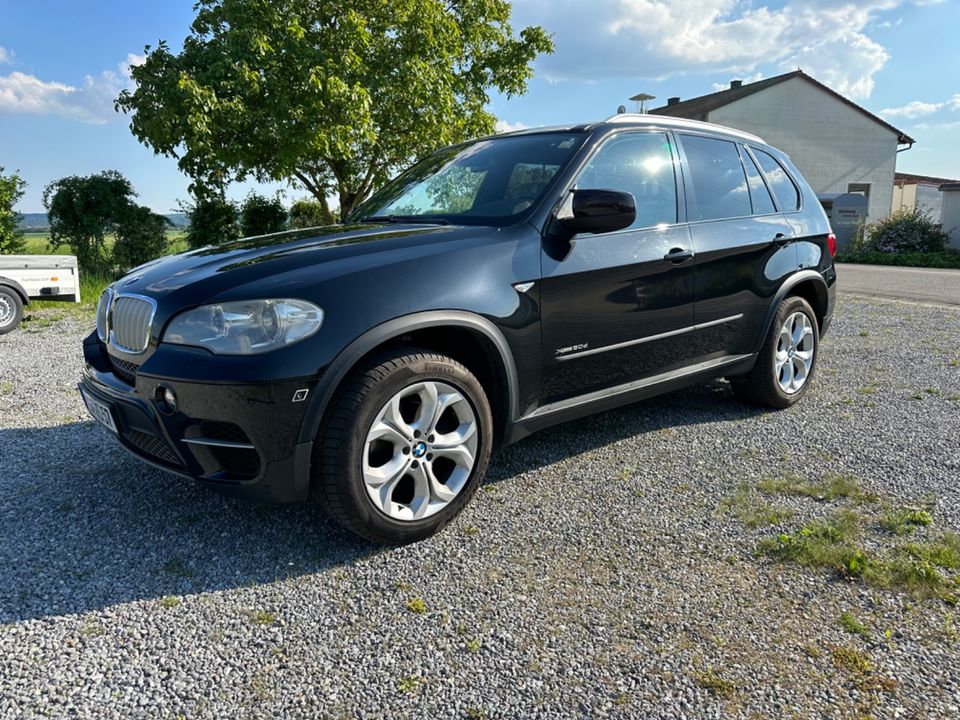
785	190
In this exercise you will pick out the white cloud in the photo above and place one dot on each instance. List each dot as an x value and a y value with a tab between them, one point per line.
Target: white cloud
913	109
658	39
91	102
6	56
504	126
954	102
744	79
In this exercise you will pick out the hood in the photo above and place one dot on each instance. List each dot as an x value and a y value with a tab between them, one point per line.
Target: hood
198	275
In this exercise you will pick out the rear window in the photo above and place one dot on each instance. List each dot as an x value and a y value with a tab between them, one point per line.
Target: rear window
719	183
786	192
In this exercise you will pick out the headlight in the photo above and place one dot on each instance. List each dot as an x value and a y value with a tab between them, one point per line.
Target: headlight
103	308
245	327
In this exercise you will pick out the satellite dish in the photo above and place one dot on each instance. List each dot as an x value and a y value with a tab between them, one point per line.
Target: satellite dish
621	110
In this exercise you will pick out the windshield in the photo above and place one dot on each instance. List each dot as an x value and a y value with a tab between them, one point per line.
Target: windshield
486	182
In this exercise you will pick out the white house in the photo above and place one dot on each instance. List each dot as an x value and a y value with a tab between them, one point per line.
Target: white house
839	146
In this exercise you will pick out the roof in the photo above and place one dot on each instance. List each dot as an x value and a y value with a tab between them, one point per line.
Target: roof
705	104
682	123
902	178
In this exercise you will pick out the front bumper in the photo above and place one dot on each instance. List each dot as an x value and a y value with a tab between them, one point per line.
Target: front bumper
238	439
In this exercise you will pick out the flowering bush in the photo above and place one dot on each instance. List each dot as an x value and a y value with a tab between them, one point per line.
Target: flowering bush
906	231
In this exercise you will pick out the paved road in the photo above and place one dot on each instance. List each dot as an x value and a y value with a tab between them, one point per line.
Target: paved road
922	284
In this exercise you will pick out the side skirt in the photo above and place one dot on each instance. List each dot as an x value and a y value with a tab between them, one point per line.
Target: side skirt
609	398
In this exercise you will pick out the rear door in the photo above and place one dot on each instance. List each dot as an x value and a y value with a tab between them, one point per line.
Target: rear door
743	244
616	306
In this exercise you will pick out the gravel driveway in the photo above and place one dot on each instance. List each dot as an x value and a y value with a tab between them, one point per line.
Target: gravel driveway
600	573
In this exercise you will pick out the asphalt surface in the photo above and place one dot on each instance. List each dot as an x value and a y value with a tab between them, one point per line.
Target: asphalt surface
901	283
600	571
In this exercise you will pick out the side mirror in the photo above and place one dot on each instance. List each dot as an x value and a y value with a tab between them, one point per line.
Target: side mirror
596	211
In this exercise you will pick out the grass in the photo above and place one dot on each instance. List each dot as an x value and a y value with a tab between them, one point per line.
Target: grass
262	617
169	601
754	511
92	629
903	521
853	626
417	606
409	683
829	487
716	684
851	660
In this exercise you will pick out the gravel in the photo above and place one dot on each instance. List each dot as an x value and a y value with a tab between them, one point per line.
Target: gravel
598	574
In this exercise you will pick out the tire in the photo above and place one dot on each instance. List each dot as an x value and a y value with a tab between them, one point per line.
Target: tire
769	383
370	433
11	310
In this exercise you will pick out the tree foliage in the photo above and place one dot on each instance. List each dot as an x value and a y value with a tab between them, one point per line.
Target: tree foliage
310	213
83	211
11	190
334	96
141	237
213	220
260	215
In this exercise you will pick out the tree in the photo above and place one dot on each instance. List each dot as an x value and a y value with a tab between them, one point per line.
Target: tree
141	237
11	190
310	213
333	96
261	215
213	221
84	210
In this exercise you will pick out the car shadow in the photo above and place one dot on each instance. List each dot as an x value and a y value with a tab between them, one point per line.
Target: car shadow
85	526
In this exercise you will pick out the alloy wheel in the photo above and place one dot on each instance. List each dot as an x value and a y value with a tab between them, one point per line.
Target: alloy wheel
420	450
795	350
7	311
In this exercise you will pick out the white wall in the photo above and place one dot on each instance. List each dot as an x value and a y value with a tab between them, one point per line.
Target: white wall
950	216
832	143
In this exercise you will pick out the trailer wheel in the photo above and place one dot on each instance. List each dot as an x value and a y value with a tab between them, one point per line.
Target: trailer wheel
11	310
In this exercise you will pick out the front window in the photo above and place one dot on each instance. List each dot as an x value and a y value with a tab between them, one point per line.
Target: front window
486	182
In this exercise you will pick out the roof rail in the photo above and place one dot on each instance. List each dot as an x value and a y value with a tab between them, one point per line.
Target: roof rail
675	122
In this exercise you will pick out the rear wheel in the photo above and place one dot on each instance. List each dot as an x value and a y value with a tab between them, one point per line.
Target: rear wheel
787	360
11	310
405	447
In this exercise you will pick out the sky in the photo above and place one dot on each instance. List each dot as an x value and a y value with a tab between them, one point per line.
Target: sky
62	63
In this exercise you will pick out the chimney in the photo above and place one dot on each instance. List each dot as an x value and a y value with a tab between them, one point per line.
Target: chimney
734	84
673	101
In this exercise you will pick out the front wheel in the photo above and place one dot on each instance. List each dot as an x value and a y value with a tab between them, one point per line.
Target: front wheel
787	360
405	446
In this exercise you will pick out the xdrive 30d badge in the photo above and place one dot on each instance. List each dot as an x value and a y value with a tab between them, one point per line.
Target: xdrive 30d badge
493	289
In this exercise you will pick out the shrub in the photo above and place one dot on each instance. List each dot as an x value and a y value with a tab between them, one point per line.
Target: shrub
260	215
310	213
141	237
213	221
906	231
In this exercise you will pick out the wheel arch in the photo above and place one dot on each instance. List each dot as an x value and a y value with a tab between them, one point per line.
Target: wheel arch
469	338
16	287
808	284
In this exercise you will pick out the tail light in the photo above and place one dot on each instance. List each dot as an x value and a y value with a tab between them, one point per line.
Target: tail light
832	244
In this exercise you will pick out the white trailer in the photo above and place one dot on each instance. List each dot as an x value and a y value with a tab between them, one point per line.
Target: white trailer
40	277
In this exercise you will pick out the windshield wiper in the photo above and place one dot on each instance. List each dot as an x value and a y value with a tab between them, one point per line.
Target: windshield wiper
399	219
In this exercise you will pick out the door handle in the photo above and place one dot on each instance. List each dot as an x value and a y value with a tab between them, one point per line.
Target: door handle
678	255
781	239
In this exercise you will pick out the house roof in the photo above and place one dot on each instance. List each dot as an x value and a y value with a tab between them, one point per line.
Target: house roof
902	178
700	107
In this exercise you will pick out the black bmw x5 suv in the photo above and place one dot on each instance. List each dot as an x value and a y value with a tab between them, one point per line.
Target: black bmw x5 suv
493	289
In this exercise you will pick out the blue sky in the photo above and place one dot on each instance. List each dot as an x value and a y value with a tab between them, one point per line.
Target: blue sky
61	64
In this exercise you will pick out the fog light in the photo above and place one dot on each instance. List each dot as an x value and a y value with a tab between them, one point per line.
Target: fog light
166	399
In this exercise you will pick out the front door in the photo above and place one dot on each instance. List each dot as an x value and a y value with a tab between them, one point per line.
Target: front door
616	307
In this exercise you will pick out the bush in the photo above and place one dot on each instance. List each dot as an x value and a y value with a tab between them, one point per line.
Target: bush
906	231
261	215
141	237
310	213
949	258
213	221
11	190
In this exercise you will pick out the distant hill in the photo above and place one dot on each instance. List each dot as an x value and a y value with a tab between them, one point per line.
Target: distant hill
37	222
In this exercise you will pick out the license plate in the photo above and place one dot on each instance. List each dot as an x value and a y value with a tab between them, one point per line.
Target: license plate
100	411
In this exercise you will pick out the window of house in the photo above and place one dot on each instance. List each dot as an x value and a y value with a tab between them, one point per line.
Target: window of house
642	165
719	182
783	186
759	194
